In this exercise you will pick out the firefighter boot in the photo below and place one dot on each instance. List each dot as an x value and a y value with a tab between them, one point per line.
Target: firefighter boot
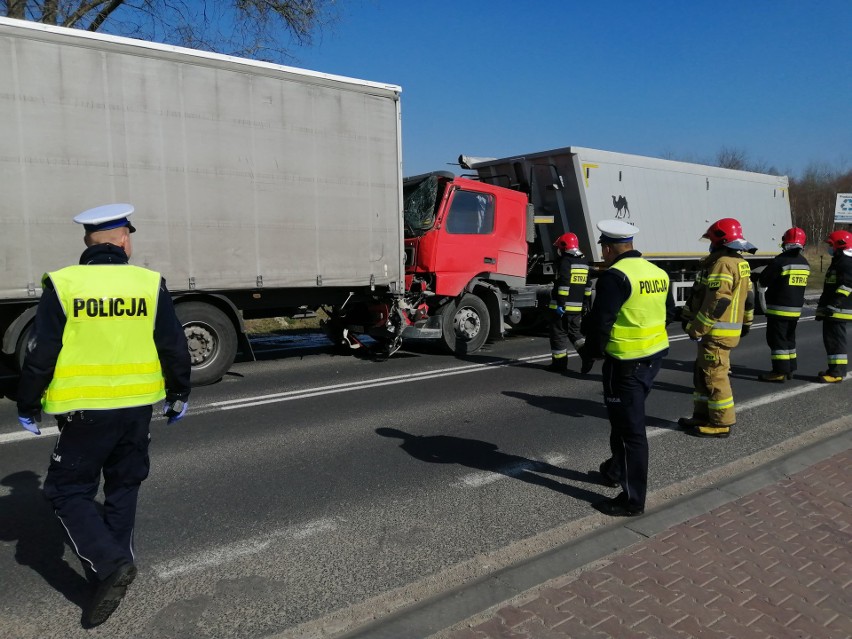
709	430
558	365
774	376
829	377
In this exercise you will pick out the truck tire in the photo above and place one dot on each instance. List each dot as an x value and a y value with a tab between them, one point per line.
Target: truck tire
211	338
464	325
21	348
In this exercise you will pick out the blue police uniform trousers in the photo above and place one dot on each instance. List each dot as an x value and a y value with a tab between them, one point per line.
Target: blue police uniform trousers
626	386
113	442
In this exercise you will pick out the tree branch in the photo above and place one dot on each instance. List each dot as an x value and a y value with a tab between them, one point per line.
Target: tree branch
104	13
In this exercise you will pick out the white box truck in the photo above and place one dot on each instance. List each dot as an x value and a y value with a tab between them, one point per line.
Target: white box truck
259	189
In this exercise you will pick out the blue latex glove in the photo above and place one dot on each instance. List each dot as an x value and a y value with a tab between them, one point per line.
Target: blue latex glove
175	410
559	311
30	422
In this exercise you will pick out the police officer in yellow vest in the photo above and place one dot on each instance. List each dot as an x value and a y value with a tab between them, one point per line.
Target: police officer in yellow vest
627	326
720	310
106	346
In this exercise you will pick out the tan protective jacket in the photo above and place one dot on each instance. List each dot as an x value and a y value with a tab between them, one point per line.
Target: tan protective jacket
722	299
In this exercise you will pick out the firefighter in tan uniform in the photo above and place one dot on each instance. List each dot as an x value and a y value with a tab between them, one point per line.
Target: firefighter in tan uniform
719	311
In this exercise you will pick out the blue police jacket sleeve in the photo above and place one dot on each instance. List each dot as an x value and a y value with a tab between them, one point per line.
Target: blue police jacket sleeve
171	347
612	289
40	362
672	311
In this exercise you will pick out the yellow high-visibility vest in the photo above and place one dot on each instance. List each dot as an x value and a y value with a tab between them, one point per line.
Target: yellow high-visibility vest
108	357
640	326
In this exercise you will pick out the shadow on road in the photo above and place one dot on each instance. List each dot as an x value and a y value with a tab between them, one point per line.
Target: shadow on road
26	517
480	455
576	407
561	405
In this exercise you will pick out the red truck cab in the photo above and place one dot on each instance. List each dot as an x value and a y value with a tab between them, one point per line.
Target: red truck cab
465	246
459	229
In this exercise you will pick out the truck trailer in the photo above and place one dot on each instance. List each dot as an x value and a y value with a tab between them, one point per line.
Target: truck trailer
672	203
260	190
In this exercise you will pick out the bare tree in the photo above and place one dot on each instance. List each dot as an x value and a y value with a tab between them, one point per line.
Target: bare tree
732	158
260	29
813	198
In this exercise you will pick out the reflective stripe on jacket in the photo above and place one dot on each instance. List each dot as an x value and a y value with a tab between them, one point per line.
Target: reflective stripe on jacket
108	357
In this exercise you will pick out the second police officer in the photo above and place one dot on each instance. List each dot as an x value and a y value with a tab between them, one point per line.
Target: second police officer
570	294
834	308
784	281
627	327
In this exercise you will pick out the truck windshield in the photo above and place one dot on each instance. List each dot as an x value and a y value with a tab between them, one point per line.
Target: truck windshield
419	202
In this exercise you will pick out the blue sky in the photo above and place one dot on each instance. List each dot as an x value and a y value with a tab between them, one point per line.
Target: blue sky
679	79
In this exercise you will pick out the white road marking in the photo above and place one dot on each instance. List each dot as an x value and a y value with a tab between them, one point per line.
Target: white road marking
212	557
18	436
477	479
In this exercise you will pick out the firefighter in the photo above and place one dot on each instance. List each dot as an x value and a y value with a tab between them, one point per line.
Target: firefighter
784	281
719	311
834	308
106	346
627	327
569	297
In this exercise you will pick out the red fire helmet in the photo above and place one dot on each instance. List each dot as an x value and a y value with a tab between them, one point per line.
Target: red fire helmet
839	240
724	231
567	242
794	235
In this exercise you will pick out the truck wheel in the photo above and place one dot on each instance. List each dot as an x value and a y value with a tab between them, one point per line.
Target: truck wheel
21	348
211	338
465	325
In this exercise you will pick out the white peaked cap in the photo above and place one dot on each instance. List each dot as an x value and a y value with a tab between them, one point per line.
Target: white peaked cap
616	231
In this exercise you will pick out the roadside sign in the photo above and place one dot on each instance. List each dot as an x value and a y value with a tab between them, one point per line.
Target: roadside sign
843	209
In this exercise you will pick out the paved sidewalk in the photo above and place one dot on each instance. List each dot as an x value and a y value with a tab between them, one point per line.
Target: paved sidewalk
767	555
776	563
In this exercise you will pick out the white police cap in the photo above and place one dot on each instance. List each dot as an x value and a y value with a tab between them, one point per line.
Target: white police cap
615	231
108	216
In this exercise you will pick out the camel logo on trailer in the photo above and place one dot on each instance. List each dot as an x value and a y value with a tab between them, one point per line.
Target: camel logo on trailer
621	209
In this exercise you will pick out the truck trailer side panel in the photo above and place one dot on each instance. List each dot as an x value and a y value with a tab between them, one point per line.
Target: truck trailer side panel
243	174
672	203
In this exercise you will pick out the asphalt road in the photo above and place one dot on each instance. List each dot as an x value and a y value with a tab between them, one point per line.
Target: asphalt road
308	492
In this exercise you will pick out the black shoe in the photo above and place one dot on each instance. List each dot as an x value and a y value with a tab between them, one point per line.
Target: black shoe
690	422
586	366
109	594
606	478
617	507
